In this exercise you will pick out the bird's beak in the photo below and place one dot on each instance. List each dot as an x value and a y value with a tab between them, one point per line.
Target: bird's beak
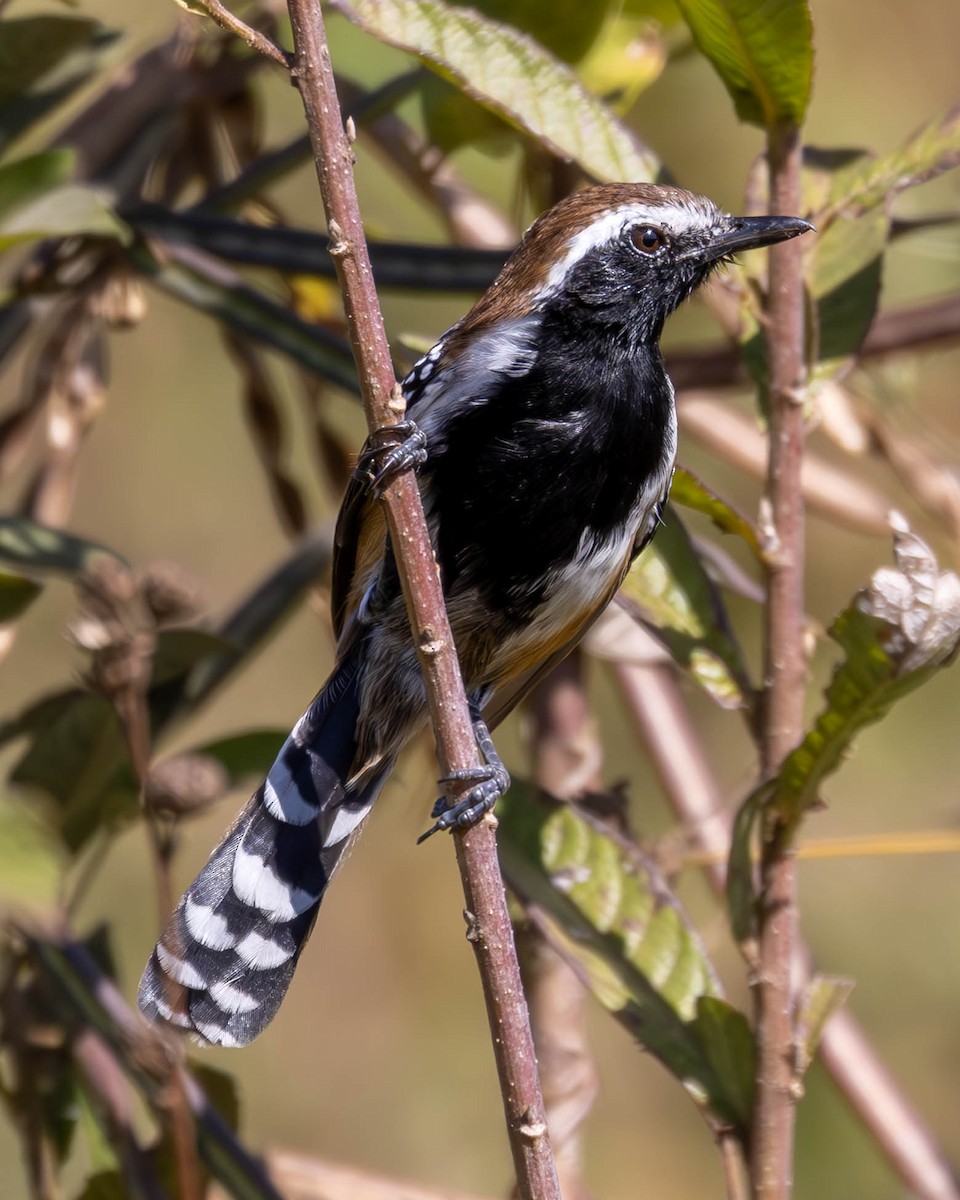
747	233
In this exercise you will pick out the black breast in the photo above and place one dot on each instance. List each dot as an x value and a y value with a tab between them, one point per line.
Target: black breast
566	448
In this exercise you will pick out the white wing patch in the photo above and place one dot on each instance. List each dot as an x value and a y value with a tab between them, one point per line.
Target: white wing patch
507	350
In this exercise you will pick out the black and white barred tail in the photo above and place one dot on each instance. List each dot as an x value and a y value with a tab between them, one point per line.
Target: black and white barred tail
226	958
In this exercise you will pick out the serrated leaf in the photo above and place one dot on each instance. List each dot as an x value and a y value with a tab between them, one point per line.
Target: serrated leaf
28	178
43	60
872	182
762	52
669	587
896	635
71	209
16	595
611	915
512	75
690	491
37	547
898	632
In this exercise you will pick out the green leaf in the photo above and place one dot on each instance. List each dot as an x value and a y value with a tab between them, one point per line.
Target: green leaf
43	60
729	1043
16	595
610	913
690	491
221	1090
668	587
567	28
741	887
30	860
245	754
77	756
843	272
872	182
28	178
822	997
36	547
180	651
762	52
512	75
64	211
627	57
105	1185
898	632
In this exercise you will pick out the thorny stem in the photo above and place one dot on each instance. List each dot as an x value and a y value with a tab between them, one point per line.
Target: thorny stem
775	1104
489	927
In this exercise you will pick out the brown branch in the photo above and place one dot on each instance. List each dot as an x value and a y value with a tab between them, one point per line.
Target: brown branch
489	928
785	676
567	762
913	327
655	701
253	37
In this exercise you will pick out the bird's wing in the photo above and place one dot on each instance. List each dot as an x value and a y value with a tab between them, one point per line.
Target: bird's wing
449	377
358	545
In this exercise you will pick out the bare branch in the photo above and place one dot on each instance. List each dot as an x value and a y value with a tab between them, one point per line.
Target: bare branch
775	1104
489	927
253	37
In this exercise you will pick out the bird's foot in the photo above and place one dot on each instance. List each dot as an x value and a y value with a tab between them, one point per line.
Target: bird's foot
388	452
490	781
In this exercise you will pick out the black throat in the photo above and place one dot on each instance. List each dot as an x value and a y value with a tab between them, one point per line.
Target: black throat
565	448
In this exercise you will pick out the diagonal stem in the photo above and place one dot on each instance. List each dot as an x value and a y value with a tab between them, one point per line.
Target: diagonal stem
489	927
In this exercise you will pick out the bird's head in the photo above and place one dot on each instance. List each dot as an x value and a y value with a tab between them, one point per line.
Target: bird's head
628	253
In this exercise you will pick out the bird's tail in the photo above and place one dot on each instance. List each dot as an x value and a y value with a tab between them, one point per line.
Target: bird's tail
228	954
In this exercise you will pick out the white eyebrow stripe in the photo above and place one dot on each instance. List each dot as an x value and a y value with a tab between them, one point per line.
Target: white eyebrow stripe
675	218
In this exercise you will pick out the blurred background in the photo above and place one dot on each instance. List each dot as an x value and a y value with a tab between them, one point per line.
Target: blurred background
380	1056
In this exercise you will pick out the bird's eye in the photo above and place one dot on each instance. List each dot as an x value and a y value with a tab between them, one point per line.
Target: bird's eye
647	239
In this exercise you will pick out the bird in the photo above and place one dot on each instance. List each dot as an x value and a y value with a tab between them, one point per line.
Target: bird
543	430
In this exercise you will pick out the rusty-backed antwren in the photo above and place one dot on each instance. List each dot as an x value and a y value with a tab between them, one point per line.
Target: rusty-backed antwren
545	439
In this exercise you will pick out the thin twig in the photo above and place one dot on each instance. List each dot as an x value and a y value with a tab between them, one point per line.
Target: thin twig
488	919
785	675
253	37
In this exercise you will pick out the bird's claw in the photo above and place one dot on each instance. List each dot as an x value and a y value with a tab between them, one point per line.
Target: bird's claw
490	782
388	452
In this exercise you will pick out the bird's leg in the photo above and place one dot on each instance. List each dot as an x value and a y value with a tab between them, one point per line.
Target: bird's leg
389	451
490	782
